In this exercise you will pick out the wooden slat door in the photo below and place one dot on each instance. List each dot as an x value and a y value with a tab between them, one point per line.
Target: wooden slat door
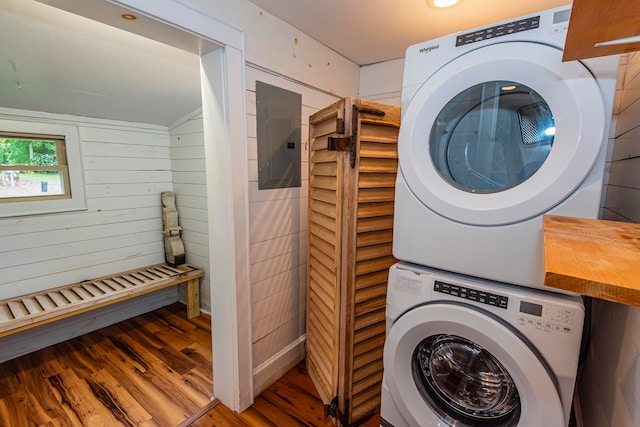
326	172
361	249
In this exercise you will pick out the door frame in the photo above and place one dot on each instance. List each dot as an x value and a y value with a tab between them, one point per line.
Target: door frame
223	110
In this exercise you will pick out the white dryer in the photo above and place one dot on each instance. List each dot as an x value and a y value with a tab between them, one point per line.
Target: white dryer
469	352
496	132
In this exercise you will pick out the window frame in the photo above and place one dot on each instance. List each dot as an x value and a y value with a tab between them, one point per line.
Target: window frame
67	137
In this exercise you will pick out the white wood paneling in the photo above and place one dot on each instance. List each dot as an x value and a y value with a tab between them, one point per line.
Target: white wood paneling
278	235
278	46
189	185
126	166
382	82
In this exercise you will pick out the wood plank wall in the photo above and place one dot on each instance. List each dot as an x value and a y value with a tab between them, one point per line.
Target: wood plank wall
126	167
622	187
189	184
278	241
609	384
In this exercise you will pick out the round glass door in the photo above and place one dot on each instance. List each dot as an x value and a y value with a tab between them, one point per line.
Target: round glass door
459	378
448	364
501	134
491	136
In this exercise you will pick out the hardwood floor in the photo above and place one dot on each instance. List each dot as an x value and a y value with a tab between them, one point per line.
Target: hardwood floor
151	370
290	401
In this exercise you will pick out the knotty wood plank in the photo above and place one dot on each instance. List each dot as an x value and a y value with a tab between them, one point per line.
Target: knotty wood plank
292	400
375	223
593	257
377	180
372	265
94	379
381	165
367	210
328	196
117	399
376	195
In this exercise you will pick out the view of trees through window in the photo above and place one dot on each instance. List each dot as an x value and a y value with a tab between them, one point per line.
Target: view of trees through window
31	167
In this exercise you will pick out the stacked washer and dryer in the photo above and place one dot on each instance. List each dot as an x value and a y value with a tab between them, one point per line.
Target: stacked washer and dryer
496	132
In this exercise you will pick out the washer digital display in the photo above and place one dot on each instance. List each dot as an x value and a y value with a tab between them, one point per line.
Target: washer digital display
531	308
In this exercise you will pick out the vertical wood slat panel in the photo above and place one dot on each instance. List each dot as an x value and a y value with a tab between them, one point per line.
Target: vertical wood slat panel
325	196
350	230
372	257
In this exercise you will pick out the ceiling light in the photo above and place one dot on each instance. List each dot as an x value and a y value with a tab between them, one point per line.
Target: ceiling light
442	4
506	88
128	17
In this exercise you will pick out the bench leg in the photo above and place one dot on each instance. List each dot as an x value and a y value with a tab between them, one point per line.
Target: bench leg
193	298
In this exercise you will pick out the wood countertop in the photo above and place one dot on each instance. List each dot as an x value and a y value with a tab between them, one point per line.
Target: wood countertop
593	257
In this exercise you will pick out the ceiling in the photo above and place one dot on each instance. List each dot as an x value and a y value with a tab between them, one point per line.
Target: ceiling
370	31
59	62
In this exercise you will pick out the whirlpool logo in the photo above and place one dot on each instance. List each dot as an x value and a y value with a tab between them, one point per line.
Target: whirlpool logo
429	48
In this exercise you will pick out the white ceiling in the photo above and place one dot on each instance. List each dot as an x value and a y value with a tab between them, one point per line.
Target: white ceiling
55	61
370	31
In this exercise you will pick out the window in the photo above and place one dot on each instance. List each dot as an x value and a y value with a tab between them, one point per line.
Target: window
33	166
40	168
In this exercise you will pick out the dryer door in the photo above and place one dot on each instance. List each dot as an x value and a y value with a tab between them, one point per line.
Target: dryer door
501	134
454	364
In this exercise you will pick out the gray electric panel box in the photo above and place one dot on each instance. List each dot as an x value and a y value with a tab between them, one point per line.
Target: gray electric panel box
278	114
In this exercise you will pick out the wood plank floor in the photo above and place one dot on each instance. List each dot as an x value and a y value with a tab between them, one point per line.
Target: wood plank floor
151	370
290	401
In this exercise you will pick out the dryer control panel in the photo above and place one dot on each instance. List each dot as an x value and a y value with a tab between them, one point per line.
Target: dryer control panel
498	31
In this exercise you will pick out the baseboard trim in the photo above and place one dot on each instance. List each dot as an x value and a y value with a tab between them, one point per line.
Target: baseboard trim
279	364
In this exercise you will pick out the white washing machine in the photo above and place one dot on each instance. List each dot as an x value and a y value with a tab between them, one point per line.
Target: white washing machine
469	352
496	132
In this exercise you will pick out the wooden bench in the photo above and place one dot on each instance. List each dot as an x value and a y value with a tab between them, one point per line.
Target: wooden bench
28	311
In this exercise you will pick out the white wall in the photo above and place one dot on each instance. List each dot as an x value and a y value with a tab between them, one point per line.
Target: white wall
382	82
609	383
280	55
278	243
189	185
126	166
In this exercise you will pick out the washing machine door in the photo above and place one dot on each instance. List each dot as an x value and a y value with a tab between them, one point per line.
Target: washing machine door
453	364
501	134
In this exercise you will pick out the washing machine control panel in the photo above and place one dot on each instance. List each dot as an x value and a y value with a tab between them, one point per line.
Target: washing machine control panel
545	317
471	294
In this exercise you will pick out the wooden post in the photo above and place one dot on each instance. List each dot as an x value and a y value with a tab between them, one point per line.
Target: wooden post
193	298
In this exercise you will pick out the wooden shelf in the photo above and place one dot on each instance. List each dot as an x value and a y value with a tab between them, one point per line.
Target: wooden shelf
593	22
593	257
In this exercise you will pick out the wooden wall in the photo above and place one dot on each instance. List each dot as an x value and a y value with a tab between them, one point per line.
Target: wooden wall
609	383
189	185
